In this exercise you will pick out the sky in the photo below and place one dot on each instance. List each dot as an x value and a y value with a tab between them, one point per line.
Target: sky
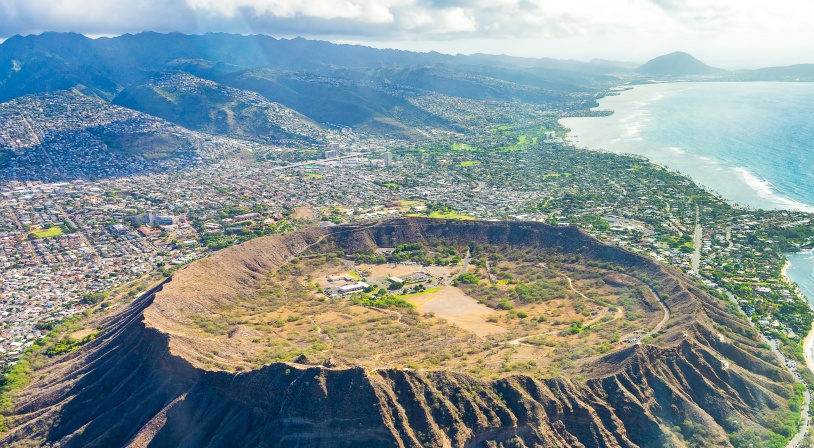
725	33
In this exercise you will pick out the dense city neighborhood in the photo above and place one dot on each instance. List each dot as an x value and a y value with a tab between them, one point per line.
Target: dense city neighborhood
81	221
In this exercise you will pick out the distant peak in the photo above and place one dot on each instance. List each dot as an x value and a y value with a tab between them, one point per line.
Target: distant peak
677	63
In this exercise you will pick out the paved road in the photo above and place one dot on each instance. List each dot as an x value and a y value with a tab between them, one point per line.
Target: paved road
795	441
696	265
79	232
697	241
41	146
314	162
696	255
13	214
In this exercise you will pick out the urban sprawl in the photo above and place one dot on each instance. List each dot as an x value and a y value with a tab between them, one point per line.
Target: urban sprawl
85	219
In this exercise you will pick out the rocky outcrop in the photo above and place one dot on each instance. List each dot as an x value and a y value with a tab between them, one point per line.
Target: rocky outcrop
138	384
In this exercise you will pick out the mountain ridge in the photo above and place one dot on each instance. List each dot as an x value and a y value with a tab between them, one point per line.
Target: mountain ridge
128	59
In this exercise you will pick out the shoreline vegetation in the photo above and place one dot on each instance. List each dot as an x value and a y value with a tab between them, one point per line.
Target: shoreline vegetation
792	345
791	205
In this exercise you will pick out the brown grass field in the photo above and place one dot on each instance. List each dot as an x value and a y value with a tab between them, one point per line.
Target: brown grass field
533	314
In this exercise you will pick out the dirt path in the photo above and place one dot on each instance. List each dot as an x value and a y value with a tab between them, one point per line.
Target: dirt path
663	305
465	262
655	329
319	329
396	313
491	277
664	319
617	315
571	285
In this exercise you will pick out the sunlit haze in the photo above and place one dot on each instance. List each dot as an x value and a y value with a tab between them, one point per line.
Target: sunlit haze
726	33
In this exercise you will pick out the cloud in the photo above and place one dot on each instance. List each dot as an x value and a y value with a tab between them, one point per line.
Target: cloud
636	24
394	19
737	15
94	17
364	11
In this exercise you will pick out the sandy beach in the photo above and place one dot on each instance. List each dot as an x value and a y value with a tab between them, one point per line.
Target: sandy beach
808	341
808	345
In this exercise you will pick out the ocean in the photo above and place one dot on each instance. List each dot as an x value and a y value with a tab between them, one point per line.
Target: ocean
801	271
752	143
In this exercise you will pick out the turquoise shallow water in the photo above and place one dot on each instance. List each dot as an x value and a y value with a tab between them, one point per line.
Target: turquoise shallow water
801	271
753	143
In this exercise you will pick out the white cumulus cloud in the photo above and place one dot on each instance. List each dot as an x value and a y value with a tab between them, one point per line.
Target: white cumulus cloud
628	27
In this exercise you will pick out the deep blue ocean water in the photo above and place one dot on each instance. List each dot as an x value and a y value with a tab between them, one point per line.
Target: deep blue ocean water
753	143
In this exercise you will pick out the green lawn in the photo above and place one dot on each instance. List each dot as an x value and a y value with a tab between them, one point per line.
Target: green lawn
550	175
415	294
523	143
469	163
450	215
463	147
442	215
47	233
314	176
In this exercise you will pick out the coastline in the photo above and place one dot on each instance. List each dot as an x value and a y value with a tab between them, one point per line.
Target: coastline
808	341
808	345
639	125
784	272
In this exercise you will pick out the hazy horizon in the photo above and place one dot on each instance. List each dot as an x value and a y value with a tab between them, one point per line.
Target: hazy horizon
450	50
726	34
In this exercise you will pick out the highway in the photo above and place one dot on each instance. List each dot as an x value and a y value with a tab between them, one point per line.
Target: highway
314	162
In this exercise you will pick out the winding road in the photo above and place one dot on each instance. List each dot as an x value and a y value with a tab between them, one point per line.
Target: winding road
803	430
696	264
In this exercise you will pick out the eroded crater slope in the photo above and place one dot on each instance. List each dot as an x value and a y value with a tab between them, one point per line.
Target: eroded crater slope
461	333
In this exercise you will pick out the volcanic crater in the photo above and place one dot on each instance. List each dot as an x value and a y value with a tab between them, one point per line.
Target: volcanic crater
414	332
